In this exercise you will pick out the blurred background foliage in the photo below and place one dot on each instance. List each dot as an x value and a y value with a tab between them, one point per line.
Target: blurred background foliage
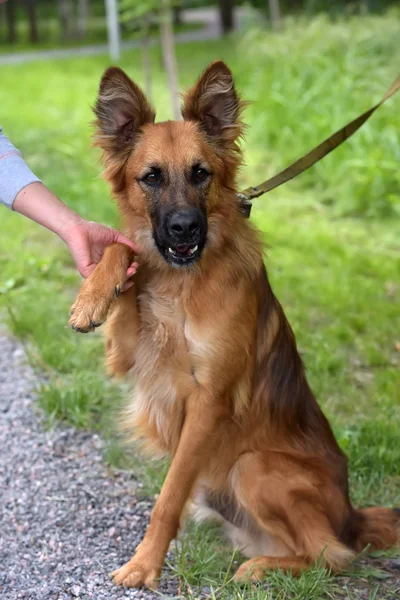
45	22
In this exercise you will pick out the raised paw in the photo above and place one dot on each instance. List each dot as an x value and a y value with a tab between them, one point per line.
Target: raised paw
90	310
136	574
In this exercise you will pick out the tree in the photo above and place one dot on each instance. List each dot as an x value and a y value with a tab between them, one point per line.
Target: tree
11	22
141	15
275	14
145	45
65	11
177	12
167	41
226	15
30	6
138	16
113	29
82	17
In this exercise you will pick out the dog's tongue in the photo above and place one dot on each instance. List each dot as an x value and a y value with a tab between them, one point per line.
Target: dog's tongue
183	248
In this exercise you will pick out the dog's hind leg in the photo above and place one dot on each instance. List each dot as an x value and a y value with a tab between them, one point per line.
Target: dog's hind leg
289	507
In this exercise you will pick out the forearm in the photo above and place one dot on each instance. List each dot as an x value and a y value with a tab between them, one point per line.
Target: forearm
38	203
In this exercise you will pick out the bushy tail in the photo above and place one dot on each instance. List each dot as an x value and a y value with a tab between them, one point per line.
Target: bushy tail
377	528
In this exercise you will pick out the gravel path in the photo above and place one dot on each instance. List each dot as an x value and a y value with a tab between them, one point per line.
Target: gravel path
65	520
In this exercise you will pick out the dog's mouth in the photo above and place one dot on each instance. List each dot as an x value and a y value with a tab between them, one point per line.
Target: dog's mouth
183	254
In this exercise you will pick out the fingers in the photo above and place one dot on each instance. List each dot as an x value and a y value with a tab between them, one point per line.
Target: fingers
132	269
130	272
124	240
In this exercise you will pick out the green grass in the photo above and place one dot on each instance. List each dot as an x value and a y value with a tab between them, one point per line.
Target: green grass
333	258
202	560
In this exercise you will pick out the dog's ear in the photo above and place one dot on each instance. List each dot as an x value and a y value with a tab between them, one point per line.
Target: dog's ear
121	109
215	104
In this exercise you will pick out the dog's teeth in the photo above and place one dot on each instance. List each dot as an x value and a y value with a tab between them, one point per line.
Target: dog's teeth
170	250
193	250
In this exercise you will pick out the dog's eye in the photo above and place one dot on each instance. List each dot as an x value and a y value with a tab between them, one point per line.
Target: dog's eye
199	174
152	177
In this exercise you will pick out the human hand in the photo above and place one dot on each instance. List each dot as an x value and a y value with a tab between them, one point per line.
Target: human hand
86	240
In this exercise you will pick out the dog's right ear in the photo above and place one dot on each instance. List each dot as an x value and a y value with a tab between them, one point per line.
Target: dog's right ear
121	109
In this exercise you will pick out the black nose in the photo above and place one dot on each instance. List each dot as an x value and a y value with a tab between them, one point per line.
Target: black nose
184	225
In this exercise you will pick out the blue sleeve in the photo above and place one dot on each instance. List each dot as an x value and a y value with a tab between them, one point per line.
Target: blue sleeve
14	172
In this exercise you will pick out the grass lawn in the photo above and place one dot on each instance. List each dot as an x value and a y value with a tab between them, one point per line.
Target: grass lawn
333	258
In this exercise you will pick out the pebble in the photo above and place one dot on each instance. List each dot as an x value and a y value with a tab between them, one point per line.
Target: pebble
395	564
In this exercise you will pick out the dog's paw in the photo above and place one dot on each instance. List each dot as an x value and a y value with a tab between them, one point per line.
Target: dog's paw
90	310
249	571
137	574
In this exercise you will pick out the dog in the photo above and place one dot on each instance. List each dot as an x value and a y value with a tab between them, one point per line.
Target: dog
219	383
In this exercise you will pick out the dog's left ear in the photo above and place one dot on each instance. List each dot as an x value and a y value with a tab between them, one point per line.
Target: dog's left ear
215	104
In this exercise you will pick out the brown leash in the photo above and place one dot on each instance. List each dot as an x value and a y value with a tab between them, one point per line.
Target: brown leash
309	159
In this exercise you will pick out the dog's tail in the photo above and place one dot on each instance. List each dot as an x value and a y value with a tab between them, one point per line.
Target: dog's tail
375	528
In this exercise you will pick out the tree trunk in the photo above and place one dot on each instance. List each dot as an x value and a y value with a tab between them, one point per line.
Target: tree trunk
177	12
226	15
30	6
275	14
167	41
113	29
146	59
65	12
11	22
83	10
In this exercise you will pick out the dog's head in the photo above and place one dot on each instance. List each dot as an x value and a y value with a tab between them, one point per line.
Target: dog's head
175	179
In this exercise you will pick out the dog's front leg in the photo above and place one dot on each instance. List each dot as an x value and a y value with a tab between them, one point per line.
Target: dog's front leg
91	306
204	412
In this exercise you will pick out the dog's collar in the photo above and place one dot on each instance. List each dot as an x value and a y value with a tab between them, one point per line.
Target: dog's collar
244	205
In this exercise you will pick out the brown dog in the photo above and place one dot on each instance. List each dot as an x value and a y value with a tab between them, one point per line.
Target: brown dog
219	383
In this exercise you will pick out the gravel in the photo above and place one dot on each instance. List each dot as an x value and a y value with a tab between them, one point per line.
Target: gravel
66	519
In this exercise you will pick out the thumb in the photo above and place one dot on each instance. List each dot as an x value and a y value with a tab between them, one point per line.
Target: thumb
121	239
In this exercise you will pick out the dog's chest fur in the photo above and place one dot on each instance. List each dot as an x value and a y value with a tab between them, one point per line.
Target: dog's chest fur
171	358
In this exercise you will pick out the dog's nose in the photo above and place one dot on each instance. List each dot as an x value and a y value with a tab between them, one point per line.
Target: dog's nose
184	224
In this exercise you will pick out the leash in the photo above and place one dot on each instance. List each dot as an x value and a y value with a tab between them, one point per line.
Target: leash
309	159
